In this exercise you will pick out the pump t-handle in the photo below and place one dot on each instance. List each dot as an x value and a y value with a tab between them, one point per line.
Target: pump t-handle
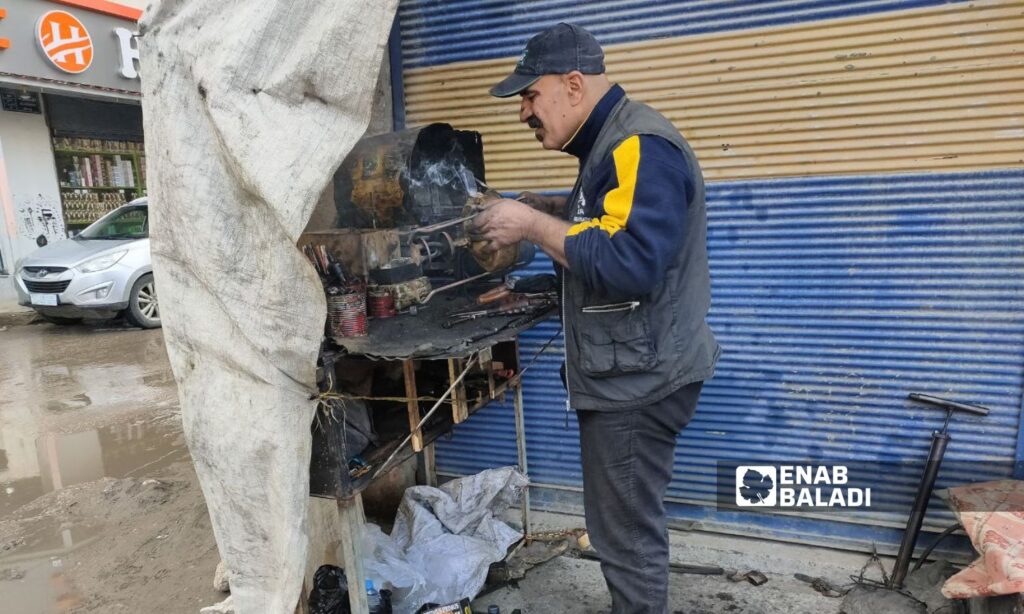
948	405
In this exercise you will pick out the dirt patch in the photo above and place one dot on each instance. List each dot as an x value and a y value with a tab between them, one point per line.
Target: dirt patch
142	545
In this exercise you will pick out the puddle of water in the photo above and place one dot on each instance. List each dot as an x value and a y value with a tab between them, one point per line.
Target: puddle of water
53	461
33	578
32	575
59	388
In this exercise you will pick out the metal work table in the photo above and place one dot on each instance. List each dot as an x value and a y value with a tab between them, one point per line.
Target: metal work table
454	371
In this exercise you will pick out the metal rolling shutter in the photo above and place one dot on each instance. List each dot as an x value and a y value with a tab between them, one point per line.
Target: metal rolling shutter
866	228
93	119
833	298
938	88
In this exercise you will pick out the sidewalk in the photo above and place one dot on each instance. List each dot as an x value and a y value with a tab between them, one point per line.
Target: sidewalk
575	586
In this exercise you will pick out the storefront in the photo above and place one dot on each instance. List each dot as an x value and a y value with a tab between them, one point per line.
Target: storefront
865	233
71	145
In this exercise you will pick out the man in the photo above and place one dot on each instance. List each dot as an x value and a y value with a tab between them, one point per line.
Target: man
631	249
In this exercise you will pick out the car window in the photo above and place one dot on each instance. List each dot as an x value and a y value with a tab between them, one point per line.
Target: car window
123	223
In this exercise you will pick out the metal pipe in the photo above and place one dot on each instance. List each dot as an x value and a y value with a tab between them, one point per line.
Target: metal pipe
521	450
454	284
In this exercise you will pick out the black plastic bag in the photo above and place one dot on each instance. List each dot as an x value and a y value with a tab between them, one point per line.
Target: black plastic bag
330	591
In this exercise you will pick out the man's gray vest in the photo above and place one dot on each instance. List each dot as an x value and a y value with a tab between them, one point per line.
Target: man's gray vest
624	354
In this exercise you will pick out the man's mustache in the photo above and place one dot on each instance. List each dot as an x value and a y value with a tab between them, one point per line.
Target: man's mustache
533	122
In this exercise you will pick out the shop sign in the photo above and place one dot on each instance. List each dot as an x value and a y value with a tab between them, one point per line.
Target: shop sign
65	41
19	101
67	47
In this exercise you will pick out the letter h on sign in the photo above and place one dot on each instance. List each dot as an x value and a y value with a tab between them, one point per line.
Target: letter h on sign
129	48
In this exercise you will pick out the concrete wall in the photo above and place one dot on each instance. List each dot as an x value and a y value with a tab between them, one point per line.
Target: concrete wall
31	206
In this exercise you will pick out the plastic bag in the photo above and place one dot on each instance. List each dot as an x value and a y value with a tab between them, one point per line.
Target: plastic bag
444	539
330	591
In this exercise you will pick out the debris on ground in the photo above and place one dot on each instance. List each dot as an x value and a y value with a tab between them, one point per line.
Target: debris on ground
222	578
532	551
921	593
866	599
11	574
925	584
753	576
823	586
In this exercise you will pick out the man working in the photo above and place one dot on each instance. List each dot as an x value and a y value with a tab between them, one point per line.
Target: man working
630	246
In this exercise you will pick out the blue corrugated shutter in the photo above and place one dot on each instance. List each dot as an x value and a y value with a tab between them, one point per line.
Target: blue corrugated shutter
833	297
439	32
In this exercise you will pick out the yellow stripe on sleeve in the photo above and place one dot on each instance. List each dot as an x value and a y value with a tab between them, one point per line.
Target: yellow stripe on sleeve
618	202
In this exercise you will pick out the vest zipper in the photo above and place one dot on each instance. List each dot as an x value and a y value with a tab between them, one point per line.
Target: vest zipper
611	308
565	352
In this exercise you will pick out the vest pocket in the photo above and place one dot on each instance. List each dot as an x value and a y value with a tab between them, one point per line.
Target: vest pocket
615	339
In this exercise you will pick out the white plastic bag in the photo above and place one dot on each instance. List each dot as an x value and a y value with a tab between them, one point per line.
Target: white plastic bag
444	539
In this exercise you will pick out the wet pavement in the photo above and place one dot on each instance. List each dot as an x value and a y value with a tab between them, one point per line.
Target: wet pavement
77	404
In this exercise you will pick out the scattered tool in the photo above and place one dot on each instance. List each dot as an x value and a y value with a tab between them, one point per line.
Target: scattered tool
753	576
683	568
513	304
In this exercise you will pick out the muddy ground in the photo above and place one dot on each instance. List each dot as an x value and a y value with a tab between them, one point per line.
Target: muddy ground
100	510
99	506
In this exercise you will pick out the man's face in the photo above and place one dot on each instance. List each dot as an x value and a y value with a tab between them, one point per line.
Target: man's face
547	107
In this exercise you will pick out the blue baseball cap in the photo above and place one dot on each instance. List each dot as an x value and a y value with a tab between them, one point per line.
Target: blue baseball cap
559	50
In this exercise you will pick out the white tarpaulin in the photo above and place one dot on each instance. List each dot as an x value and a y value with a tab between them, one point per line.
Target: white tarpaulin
249	108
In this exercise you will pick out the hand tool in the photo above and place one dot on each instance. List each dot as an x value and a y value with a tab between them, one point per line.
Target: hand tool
494	294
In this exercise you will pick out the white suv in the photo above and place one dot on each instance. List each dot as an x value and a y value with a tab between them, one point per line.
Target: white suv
102	272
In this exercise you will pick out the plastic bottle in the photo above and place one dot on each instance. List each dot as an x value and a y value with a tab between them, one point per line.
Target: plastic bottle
373	598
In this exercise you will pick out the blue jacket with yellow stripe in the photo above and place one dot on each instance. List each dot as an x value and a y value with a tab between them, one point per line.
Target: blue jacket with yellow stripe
644	185
637	289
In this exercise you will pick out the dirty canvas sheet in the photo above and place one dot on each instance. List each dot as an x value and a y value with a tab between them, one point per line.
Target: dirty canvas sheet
992	514
249	108
444	539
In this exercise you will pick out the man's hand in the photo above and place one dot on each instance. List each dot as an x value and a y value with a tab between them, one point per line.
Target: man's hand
552	205
505	222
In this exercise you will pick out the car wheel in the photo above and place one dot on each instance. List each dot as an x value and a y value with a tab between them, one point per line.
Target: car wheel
143	308
60	321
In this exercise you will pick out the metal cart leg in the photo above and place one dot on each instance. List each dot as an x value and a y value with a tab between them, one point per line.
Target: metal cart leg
521	446
351	520
429	466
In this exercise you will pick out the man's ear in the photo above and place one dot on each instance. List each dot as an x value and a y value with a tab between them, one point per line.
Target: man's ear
575	85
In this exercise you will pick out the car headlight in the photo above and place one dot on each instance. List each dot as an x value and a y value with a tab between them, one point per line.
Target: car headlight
101	263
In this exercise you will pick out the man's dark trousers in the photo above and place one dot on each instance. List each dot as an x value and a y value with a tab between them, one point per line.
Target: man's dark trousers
627	465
